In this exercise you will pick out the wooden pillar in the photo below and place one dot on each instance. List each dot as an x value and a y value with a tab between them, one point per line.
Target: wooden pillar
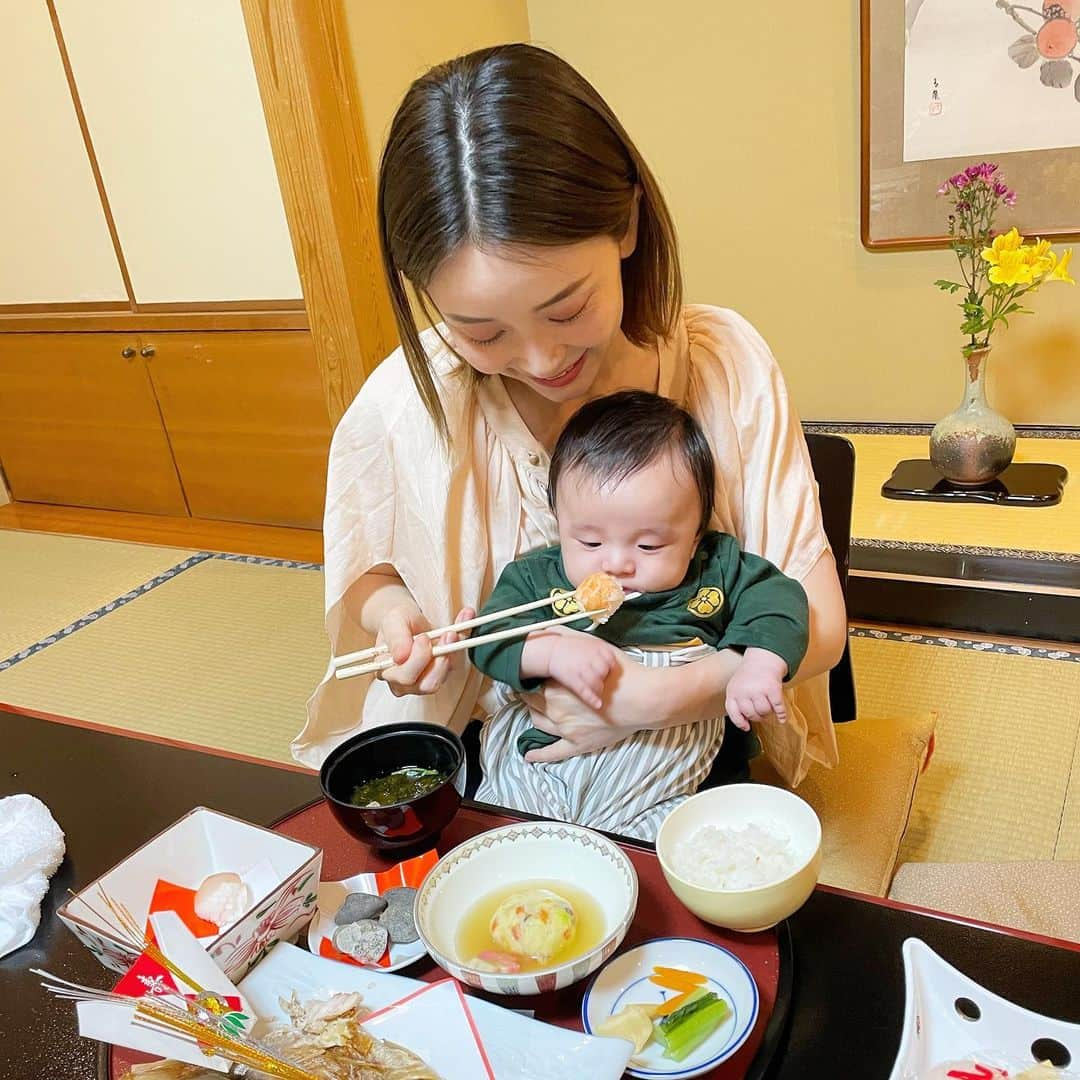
316	133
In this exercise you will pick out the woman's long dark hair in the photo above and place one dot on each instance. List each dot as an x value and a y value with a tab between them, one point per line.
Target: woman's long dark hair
511	146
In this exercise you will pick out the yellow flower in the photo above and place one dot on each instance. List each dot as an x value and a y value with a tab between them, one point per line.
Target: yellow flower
1039	257
1002	244
1011	268
1060	271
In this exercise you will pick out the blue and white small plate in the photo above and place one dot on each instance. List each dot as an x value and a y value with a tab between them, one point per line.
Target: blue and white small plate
624	980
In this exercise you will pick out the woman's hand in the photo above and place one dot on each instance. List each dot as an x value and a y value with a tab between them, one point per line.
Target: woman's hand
635	698
415	670
629	692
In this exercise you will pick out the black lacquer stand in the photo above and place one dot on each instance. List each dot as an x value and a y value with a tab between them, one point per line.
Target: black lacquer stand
1021	484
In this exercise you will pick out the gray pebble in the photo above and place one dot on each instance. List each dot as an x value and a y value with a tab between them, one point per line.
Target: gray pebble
363	940
401	894
359	905
400	924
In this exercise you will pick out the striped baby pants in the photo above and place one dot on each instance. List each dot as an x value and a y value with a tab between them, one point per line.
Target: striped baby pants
628	788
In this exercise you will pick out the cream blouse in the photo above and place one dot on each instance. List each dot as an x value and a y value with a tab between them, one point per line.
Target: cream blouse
448	522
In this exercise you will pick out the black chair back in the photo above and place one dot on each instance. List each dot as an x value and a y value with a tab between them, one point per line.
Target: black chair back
833	461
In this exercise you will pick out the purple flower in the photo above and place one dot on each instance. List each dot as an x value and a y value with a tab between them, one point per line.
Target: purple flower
944	189
963	205
1010	198
1000	188
960	180
983	171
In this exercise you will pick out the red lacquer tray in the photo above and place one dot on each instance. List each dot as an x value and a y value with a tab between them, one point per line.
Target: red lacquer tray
767	955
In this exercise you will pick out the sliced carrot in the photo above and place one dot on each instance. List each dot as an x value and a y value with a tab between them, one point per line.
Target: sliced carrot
672	1004
676	979
689	976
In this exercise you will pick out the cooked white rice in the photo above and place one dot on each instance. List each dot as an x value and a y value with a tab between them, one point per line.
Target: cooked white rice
718	857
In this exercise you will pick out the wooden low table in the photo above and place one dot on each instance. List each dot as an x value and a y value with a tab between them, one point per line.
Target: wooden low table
110	793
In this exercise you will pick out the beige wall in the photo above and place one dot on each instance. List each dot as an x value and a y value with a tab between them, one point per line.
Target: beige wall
749	115
394	41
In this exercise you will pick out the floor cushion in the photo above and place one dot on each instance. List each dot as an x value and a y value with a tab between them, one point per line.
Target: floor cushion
865	801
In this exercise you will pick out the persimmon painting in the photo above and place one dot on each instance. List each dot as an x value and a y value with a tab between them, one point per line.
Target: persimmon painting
990	77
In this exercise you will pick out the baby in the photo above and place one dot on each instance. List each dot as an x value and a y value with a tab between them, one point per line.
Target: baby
632	485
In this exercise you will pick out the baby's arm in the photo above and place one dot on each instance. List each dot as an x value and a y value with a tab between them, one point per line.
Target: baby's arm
581	662
768	618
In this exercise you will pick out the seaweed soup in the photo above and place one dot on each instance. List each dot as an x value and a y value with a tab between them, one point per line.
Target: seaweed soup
402	785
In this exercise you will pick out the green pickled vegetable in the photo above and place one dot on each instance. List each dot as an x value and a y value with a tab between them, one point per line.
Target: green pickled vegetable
698	1000
687	1028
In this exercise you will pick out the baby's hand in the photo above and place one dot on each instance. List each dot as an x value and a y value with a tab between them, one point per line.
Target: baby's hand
754	691
582	663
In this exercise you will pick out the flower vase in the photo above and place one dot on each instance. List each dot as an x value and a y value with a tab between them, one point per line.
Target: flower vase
973	444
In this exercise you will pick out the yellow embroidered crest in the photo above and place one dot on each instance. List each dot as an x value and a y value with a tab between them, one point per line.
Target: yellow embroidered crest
706	601
564	603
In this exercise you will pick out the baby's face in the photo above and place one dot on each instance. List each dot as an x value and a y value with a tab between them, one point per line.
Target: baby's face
642	531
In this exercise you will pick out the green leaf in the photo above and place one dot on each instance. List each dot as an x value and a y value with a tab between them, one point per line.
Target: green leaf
1055	73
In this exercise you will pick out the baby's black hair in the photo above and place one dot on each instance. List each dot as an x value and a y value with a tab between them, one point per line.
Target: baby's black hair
613	437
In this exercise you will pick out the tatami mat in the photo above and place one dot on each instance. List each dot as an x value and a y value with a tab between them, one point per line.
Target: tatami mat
223	655
49	581
1068	845
1006	736
1054	528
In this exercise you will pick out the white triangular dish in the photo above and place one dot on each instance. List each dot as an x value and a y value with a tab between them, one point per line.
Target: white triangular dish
517	1047
937	1029
436	1023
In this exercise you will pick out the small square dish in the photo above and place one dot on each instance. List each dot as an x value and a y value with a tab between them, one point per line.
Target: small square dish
284	873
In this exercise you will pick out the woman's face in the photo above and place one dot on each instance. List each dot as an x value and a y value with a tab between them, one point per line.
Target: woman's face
544	316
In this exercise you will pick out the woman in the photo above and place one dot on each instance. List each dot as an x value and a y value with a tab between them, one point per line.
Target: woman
536	240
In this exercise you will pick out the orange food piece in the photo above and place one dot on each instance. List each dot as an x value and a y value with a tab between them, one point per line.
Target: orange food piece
672	1004
676	979
600	592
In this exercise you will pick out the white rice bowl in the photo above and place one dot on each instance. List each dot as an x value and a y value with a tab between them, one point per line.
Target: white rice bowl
744	856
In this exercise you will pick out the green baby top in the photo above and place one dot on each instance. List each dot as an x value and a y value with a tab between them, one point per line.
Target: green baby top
728	599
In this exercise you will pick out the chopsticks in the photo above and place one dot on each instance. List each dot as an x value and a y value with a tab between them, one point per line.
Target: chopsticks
468	624
387	661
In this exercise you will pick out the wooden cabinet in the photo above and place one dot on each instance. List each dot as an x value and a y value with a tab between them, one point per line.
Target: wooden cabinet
247	421
142	191
230	425
80	425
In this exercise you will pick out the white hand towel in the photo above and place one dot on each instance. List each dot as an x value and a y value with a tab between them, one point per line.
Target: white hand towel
31	848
